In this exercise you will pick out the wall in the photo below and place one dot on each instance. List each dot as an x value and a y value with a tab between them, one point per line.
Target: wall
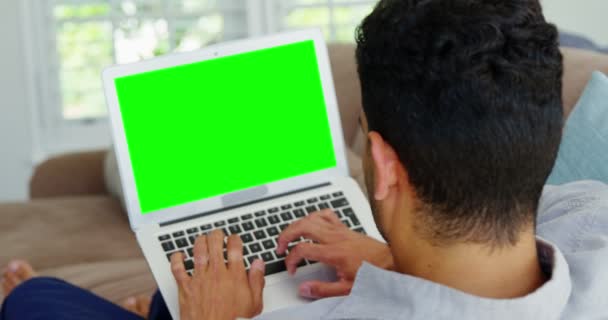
15	139
588	17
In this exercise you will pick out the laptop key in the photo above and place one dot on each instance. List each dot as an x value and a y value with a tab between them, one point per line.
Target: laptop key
275	267
323	205
259	234
252	258
189	264
192	239
267	256
272	231
281	256
164	237
192	230
299	203
248	226
261	223
206	227
245	251
312	200
286	207
246	237
273	210
181	242
234	229
171	253
345	221
337	194
286	216
190	252
260	213
360	230
178	234
233	220
325	197
339	203
274	219
348	211
168	246
247	216
220	223
351	214
268	244
299	213
311	209
283	226
255	247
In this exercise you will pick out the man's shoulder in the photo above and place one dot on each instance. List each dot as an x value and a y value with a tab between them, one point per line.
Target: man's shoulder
574	217
579	199
570	214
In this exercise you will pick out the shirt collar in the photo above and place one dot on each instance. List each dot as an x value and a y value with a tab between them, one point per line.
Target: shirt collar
382	294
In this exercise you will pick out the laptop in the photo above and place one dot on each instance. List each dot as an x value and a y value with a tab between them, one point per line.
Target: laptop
243	136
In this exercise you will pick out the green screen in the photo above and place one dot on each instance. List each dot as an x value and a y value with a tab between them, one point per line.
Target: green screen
223	125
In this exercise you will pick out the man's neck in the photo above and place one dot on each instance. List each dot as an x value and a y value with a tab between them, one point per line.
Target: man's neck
500	273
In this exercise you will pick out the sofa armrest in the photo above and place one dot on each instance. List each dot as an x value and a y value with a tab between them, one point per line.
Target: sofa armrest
70	174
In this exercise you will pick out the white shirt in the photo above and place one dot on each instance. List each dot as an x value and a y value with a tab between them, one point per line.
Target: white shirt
572	229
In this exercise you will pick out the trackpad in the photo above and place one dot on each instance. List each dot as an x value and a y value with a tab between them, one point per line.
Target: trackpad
284	293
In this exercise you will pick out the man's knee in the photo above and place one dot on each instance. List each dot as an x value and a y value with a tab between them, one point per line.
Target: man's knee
31	297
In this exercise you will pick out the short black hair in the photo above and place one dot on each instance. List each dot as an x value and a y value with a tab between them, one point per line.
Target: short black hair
468	93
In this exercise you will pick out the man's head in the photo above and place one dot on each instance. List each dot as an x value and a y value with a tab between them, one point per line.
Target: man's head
463	104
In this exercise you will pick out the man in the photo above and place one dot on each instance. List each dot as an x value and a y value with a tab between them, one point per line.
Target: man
463	115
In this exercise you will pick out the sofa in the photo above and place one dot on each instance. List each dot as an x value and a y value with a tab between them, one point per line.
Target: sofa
74	226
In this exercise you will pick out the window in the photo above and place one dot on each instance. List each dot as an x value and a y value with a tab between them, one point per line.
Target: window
337	18
75	39
91	35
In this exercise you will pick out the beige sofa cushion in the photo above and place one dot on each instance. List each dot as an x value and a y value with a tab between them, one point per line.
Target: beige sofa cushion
85	240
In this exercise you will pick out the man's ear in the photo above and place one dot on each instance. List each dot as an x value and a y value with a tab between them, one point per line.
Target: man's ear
385	164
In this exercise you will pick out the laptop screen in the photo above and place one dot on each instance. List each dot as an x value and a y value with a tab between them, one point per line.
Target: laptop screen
214	127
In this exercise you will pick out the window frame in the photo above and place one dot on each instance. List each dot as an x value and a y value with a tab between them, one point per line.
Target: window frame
51	132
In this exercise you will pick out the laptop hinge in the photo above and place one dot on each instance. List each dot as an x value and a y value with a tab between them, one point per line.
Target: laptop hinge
243	204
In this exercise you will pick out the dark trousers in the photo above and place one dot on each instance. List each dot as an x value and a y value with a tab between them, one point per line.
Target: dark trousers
53	299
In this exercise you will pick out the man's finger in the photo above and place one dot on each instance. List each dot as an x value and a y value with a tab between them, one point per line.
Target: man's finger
256	283
178	269
307	228
330	216
306	250
201	255
320	289
215	243
234	249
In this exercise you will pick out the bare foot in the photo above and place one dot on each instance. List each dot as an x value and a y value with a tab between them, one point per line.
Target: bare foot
16	272
139	305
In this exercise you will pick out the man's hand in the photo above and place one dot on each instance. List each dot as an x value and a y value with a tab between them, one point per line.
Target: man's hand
336	246
218	290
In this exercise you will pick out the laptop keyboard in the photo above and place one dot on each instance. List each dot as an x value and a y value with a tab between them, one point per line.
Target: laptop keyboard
259	231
